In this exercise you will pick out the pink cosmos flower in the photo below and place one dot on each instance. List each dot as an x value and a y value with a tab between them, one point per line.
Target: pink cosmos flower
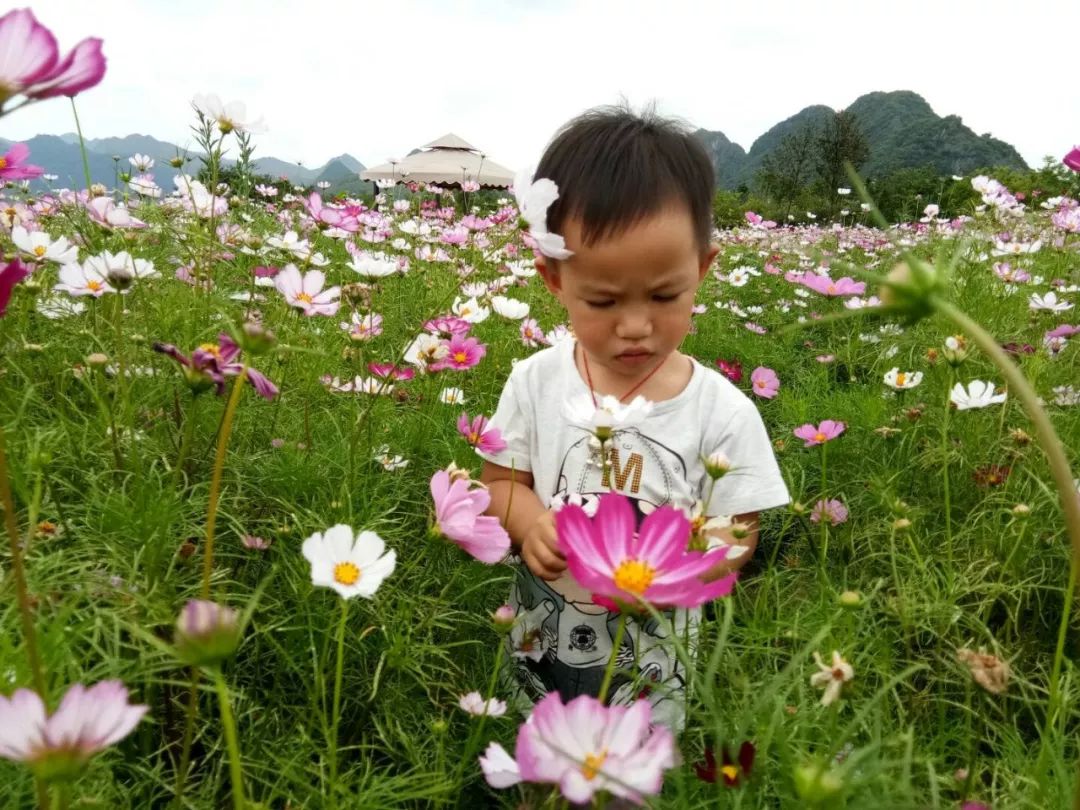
13	165
1072	160
620	565
326	216
105	212
531	333
477	433
388	371
1063	331
824	432
460	518
364	327
756	328
463	353
447	326
11	274
827	286
32	66
305	292
832	510
585	748
265	271
86	721
764	381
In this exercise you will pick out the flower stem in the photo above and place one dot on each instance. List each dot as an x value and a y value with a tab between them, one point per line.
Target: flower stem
609	671
824	512
228	725
82	147
215	481
19	572
185	442
1051	445
189	737
336	716
945	490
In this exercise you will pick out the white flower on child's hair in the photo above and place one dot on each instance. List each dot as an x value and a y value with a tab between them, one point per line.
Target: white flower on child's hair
534	197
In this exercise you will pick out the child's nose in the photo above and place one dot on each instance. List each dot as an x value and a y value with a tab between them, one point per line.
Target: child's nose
634	324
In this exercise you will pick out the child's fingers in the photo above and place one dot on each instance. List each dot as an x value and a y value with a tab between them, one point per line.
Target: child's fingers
544	563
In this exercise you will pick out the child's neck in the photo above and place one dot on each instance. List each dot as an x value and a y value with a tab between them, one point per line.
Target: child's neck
666	377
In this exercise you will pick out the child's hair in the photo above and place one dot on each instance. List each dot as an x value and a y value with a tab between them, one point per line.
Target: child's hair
615	167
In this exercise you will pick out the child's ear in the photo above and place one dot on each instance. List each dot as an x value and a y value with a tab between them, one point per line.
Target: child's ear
706	260
550	274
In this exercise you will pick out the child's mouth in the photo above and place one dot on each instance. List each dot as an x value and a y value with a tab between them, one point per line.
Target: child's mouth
634	358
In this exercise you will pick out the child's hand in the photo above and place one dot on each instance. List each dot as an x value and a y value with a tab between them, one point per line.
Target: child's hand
540	548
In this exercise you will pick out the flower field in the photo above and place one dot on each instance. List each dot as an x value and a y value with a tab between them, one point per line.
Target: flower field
240	571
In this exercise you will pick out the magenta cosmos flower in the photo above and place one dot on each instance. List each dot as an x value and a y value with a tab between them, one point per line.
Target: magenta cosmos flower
831	510
1072	160
827	286
13	165
10	274
621	565
460	518
477	433
586	748
462	354
764	382
824	432
305	292
211	363
32	66
732	369
57	746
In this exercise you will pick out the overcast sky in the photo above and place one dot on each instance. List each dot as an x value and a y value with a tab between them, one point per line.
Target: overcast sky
377	78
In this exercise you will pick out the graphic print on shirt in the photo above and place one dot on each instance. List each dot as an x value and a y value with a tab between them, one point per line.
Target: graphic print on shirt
562	641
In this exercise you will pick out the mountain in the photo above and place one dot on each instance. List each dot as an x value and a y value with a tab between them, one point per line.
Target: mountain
900	127
60	155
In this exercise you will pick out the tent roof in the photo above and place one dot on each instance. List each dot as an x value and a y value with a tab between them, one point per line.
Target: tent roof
450	160
450	141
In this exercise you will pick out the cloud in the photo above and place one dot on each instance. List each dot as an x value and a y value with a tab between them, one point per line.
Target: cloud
376	79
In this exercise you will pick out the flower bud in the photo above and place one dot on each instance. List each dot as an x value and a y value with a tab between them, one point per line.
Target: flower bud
956	350
97	360
1021	510
206	633
740	531
798	507
121	276
256	338
910	289
176	162
816	783
901	524
851	599
97	190
503	617
717	465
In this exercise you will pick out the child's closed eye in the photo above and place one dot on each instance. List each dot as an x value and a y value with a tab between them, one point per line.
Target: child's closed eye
599	304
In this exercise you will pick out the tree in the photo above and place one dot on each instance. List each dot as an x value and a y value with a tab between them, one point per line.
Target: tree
786	170
841	141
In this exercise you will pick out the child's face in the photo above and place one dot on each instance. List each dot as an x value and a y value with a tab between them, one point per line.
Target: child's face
629	296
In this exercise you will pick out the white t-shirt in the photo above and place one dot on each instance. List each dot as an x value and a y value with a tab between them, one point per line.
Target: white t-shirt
562	639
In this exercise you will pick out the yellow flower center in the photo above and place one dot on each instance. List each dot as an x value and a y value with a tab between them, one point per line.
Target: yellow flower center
634	576
731	772
593	764
474	437
212	348
900	379
3	163
760	383
832	288
346	573
460	357
39	250
303	297
93	285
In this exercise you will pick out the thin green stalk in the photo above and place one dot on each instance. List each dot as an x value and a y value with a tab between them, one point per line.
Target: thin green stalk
823	512
82	147
945	491
37	672
185	441
609	671
336	716
189	737
215	481
228	725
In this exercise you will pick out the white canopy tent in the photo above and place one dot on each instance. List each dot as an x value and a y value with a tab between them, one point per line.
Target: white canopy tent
448	160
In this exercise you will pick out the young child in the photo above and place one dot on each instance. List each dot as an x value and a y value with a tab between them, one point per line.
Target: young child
635	210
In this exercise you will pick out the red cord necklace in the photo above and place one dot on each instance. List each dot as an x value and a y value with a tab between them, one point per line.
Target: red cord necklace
637	385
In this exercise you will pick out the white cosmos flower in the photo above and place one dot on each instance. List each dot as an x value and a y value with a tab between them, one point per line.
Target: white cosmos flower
1048	303
470	310
831	676
902	380
534	197
142	163
425	350
510	308
390	463
475	705
978	394
351	564
452	396
56	307
607	414
500	769
77	279
228	116
521	269
375	265
38	245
